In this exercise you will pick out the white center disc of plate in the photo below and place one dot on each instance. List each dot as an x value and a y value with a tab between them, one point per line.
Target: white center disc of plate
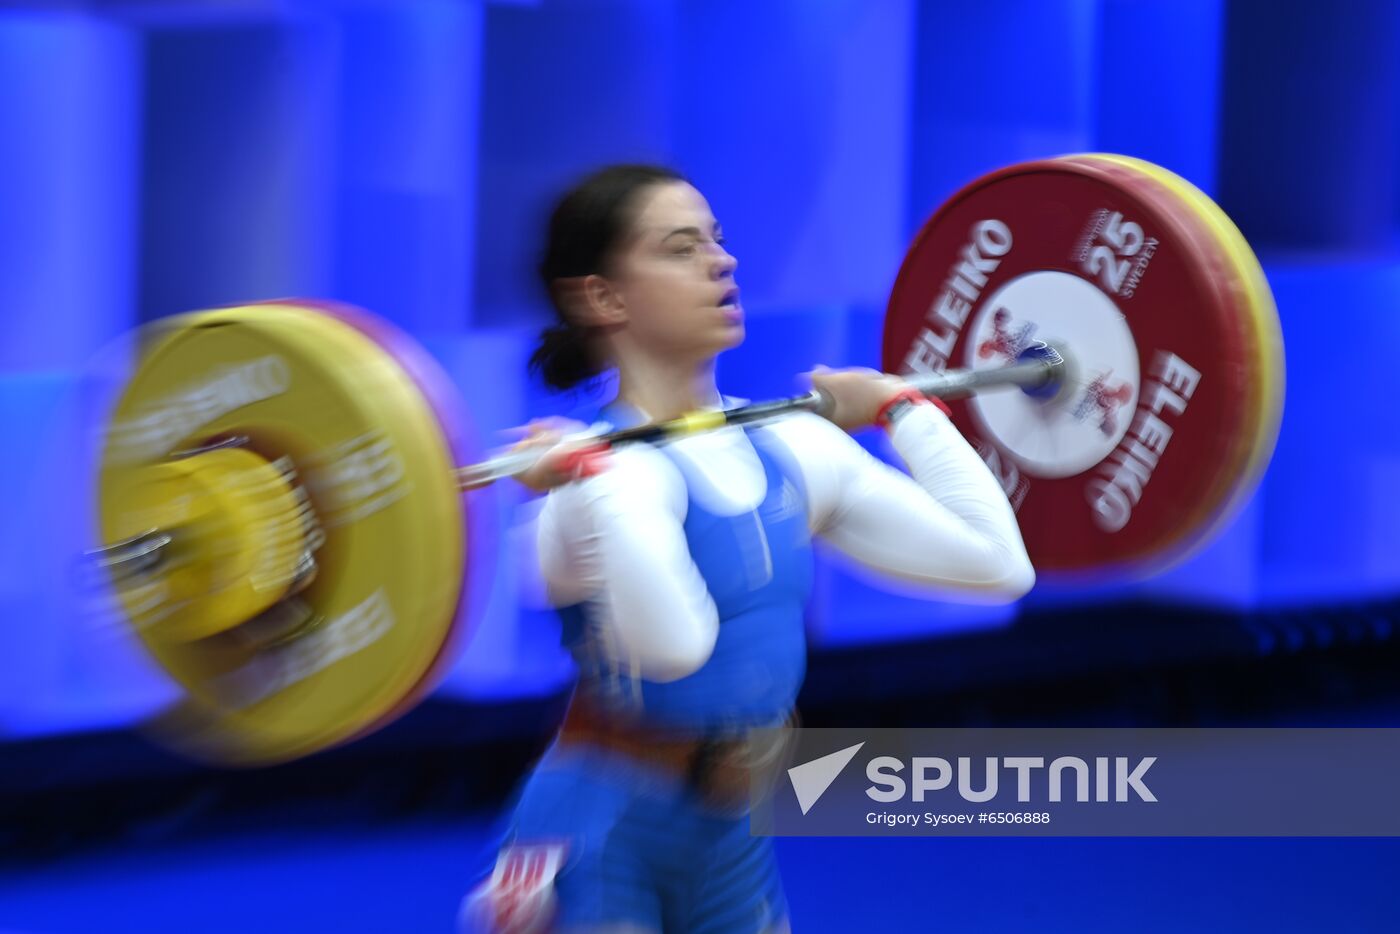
1082	423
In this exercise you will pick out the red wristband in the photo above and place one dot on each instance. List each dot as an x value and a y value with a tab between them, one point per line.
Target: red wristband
908	395
586	462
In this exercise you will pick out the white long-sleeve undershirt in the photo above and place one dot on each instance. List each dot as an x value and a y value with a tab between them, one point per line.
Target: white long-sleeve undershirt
617	540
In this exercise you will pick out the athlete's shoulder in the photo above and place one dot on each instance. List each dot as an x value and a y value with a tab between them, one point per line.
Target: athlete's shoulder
811	437
635	474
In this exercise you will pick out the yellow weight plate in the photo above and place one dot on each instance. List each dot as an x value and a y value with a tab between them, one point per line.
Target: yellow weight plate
236	540
301	385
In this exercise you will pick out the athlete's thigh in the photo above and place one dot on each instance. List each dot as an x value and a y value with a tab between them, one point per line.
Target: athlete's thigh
567	862
742	892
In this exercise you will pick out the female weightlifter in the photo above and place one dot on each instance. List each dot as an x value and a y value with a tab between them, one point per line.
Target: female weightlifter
681	572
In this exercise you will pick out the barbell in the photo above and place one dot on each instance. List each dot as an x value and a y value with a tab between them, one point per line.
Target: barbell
288	525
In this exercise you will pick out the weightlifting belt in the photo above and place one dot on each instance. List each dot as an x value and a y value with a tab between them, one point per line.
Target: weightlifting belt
717	766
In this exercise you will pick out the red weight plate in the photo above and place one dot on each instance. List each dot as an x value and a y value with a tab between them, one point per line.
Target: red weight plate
1123	464
1245	285
1250	280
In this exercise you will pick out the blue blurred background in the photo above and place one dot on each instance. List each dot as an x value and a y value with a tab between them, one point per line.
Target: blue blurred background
157	157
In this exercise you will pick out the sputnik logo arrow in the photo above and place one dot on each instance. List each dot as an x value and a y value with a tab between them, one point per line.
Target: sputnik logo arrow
810	780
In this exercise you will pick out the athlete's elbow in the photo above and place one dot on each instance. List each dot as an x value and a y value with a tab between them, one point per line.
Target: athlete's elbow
1006	580
683	654
673	666
1017	581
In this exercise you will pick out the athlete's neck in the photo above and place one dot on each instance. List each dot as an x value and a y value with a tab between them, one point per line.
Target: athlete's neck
661	390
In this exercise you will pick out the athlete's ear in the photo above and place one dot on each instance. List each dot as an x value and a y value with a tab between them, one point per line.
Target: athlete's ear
591	301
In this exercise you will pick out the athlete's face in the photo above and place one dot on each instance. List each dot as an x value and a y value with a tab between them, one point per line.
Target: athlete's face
674	280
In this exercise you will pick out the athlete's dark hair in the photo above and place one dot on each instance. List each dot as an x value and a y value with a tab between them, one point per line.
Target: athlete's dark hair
588	225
